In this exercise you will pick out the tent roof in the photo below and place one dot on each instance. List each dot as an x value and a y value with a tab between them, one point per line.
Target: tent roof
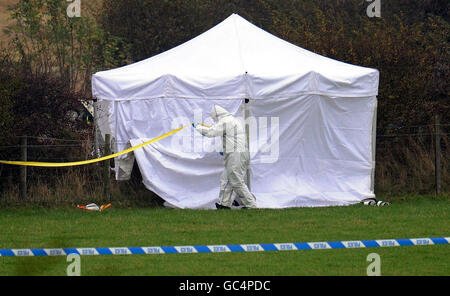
235	60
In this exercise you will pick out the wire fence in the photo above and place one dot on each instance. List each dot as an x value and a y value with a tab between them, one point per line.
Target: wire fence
406	161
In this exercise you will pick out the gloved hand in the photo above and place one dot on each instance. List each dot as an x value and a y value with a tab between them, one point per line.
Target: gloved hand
194	124
221	153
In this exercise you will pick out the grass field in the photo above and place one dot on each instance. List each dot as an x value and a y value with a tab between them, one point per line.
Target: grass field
414	217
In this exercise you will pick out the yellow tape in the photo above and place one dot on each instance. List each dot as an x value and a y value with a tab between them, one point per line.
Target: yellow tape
65	164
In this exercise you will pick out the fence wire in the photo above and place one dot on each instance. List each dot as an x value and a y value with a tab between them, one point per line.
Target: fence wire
404	160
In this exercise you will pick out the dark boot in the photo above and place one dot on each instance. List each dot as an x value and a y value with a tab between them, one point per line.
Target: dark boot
221	207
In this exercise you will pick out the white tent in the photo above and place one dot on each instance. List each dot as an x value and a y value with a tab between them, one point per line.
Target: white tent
312	118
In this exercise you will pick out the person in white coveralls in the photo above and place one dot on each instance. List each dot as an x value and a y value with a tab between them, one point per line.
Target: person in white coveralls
236	156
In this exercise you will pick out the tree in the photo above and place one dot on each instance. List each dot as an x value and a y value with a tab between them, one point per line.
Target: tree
49	42
408	44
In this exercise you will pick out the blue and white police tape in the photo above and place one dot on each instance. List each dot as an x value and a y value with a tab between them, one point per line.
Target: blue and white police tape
227	248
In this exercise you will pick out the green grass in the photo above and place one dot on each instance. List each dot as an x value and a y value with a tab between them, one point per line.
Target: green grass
415	217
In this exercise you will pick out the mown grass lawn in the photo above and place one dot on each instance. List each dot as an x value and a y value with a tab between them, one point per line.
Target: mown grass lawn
415	217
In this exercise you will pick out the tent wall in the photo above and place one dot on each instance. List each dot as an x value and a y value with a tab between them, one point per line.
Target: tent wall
309	150
325	152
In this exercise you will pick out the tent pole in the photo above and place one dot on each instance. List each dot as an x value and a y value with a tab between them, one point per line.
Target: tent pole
247	136
96	146
374	145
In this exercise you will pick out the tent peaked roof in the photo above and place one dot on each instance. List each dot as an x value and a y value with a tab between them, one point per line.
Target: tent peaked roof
235	60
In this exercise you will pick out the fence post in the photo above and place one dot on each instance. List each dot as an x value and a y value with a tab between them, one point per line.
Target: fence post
247	140
437	152
107	169
23	169
96	148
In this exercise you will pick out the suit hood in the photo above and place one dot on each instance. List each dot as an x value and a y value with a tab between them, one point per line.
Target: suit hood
218	113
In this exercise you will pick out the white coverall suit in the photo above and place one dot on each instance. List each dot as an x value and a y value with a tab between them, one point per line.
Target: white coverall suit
236	156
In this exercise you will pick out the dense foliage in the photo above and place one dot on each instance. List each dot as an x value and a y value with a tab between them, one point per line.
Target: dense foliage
47	65
409	44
